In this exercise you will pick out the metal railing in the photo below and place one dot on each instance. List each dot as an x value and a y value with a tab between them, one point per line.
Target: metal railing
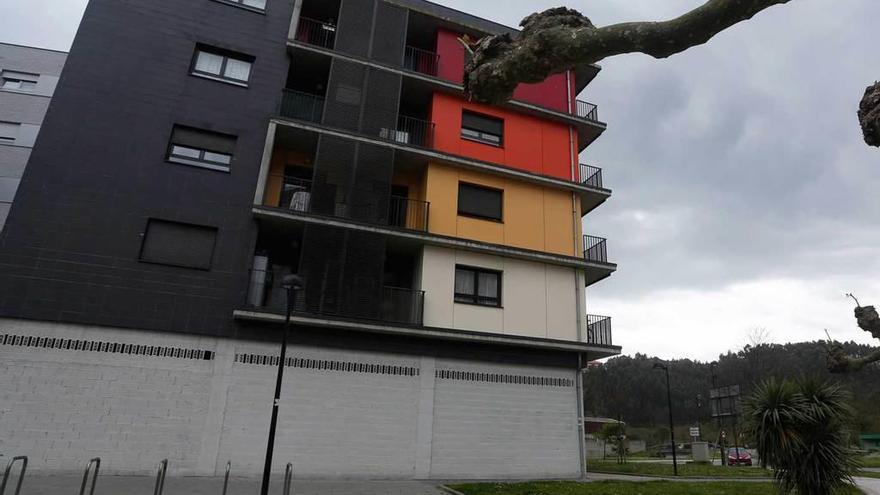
410	130
18	459
591	176
288	478
294	194
397	305
595	249
599	330
302	106
403	305
410	214
160	477
93	463
586	110
316	33
418	60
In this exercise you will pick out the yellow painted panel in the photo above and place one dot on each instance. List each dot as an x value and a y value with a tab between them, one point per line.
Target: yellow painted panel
441	190
559	223
524	216
480	230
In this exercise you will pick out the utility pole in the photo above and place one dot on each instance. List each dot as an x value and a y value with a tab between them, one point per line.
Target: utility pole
665	368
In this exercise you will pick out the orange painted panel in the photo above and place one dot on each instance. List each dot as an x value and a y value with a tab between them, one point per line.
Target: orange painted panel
530	143
535	217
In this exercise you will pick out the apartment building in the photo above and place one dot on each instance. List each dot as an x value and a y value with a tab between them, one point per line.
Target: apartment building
28	77
197	153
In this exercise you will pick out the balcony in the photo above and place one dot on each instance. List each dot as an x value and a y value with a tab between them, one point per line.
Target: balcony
295	195
422	61
599	331
591	176
397	305
315	32
587	111
595	249
302	106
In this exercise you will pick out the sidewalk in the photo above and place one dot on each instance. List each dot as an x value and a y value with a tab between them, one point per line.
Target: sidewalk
870	486
143	485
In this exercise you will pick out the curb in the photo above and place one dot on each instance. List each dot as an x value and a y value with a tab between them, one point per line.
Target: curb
450	491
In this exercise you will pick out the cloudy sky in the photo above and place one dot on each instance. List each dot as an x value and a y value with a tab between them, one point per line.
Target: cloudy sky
743	195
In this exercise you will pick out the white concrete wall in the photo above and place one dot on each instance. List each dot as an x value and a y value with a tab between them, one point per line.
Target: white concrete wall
355	415
538	300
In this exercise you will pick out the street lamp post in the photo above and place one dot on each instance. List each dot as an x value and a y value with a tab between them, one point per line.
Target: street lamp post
290	283
665	368
713	368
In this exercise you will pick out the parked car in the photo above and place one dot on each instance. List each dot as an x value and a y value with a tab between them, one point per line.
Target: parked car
738	457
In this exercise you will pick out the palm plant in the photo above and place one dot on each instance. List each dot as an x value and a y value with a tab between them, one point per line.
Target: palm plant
800	429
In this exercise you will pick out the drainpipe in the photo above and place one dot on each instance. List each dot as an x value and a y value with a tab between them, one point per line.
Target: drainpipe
582	440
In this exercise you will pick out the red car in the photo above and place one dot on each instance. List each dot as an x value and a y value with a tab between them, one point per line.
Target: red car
741	458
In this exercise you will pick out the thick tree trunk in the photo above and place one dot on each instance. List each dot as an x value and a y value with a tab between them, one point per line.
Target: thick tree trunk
869	321
561	39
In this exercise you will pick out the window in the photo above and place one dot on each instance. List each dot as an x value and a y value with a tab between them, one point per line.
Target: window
221	65
21	81
178	244
259	5
477	286
8	132
200	148
481	202
482	128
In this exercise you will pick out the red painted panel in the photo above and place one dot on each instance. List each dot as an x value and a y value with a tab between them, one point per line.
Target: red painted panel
551	93
531	144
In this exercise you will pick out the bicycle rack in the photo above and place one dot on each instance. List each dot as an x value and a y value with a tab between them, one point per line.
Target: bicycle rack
24	463
226	478
288	478
96	462
160	478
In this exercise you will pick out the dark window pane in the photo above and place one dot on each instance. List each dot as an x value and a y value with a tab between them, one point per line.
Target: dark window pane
482	123
203	140
178	244
480	201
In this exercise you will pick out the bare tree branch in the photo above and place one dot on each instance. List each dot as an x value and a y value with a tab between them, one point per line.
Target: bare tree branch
869	321
560	39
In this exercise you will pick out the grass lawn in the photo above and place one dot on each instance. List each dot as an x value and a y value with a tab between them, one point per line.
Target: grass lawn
687	470
624	488
868	474
871	461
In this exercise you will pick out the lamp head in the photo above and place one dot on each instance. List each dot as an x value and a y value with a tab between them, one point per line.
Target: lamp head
294	282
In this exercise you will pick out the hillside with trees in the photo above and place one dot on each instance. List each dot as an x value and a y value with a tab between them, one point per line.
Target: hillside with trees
631	388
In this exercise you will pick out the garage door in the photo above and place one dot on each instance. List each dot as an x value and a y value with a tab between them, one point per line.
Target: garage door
498	421
343	414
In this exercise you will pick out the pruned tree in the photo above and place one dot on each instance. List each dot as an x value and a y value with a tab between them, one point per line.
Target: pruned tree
869	321
561	39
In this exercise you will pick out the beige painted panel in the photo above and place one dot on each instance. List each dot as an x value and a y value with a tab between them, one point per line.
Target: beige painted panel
438	282
524	292
562	307
538	300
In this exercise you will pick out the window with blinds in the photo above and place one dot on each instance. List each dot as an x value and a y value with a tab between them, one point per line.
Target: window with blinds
178	244
480	202
482	128
201	148
222	65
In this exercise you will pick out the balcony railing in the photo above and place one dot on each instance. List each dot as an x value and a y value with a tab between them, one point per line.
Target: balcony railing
302	106
412	131
316	33
587	111
410	214
599	330
595	249
418	60
396	305
591	176
296	195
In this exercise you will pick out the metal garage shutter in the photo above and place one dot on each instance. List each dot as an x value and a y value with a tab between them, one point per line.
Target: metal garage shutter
495	421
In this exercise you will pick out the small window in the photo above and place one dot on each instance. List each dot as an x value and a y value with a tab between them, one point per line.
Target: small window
477	286
200	148
221	65
178	244
259	5
21	81
481	202
482	128
8	132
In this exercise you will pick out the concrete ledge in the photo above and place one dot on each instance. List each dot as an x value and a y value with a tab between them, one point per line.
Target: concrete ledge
594	352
